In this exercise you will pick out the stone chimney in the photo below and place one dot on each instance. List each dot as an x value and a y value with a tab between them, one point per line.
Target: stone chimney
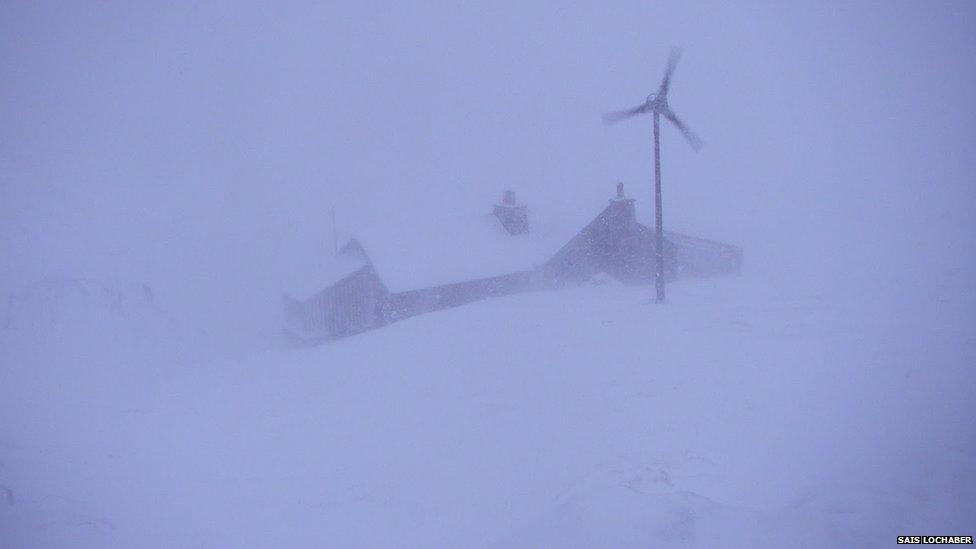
513	217
622	215
623	241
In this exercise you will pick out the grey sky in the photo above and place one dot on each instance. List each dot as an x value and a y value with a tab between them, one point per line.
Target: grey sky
204	144
825	394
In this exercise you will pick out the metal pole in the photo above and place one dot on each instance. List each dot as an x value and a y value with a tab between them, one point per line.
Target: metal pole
659	236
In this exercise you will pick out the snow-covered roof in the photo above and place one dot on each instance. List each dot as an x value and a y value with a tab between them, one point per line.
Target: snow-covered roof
410	253
414	244
413	247
688	241
315	272
419	247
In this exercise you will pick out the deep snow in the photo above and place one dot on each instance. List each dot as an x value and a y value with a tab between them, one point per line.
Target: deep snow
823	398
742	413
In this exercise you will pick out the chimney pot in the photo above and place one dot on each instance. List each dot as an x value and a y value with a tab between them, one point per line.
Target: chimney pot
514	218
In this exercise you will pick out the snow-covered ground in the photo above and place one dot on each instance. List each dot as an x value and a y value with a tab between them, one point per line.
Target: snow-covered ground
165	168
745	412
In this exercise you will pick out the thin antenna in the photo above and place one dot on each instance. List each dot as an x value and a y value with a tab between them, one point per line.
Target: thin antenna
335	239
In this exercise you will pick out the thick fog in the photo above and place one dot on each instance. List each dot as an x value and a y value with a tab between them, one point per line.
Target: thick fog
200	154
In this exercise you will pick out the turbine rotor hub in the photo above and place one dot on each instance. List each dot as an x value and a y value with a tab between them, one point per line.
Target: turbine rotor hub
656	102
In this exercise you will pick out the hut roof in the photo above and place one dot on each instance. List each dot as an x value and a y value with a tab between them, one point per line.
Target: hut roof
411	253
316	272
412	247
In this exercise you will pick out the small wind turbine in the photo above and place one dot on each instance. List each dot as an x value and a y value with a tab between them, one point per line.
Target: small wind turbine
657	104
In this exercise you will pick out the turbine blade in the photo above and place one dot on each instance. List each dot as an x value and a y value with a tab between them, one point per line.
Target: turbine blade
672	63
689	135
617	116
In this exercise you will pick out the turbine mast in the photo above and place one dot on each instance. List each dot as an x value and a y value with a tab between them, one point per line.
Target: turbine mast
658	216
657	104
